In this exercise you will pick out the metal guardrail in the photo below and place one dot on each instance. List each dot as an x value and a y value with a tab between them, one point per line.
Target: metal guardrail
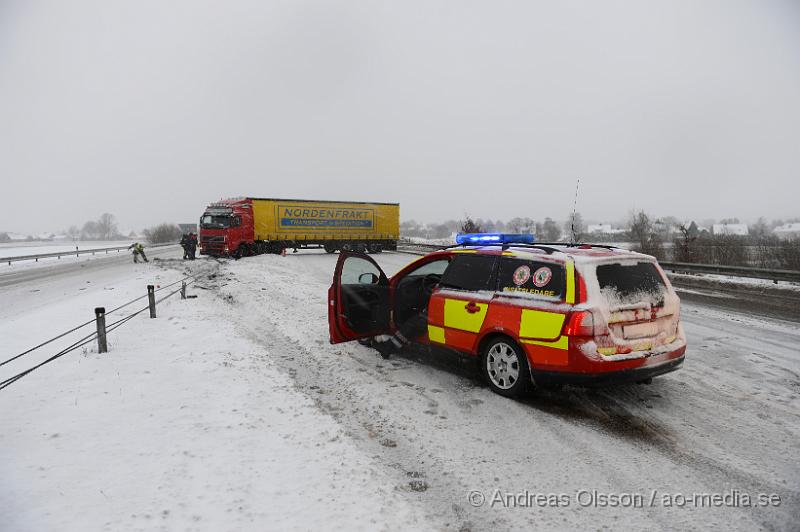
682	267
103	328
75	252
735	271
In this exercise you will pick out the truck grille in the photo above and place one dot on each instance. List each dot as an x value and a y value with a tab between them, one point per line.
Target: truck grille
212	244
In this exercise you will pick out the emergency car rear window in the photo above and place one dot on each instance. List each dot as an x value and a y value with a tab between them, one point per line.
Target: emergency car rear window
469	272
629	284
531	277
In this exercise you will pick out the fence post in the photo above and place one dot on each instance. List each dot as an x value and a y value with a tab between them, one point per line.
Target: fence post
100	317
151	297
183	289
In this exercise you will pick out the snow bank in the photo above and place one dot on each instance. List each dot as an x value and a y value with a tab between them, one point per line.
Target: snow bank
182	425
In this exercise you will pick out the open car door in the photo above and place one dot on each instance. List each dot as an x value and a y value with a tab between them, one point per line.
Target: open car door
358	299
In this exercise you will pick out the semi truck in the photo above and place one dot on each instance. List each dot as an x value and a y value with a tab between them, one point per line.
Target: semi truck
240	227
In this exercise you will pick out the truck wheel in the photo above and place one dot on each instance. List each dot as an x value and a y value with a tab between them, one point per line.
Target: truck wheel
347	247
373	247
330	248
505	367
361	247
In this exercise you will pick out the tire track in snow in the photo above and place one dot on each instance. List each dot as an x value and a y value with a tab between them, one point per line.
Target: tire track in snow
361	391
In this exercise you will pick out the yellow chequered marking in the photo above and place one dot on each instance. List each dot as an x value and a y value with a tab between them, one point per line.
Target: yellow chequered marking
436	334
457	317
540	324
570	297
562	343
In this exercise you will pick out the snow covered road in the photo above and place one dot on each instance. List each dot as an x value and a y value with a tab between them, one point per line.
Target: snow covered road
413	442
728	420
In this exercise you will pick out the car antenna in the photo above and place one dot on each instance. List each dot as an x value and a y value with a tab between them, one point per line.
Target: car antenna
574	211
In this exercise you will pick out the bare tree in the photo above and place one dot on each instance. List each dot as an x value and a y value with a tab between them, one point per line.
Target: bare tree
684	246
106	226
646	238
163	233
89	231
440	231
548	231
760	229
412	228
470	226
73	232
574	227
521	225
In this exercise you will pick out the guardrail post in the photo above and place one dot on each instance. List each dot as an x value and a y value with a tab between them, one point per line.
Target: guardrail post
100	317
151	297
183	289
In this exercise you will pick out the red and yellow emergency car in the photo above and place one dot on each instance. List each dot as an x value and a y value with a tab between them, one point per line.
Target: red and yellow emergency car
534	313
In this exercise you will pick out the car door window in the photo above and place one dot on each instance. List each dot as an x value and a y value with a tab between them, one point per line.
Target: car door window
470	272
354	268
531	277
436	267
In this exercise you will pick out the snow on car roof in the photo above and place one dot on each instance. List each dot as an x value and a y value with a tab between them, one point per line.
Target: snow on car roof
580	253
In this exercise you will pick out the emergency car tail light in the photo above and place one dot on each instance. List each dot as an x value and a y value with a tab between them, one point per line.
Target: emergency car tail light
585	323
494	238
580	324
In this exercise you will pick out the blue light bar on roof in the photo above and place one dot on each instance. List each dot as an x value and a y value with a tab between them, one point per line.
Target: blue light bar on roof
493	238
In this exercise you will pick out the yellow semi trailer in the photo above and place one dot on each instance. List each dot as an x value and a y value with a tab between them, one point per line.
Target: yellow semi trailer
250	226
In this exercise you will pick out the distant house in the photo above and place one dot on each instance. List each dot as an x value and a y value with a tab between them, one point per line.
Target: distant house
599	228
730	229
791	230
605	229
18	236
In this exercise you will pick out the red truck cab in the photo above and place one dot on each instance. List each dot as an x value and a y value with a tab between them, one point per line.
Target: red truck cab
226	228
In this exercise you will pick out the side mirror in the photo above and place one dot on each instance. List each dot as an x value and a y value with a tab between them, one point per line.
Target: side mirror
368	278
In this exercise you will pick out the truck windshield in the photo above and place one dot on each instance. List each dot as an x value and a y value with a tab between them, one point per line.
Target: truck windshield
210	221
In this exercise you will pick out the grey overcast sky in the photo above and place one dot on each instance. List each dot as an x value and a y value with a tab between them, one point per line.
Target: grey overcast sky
151	109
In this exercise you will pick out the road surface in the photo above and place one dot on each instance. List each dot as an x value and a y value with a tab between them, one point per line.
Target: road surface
726	424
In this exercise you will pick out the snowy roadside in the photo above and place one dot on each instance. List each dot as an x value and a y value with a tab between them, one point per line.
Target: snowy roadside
182	425
735	282
736	293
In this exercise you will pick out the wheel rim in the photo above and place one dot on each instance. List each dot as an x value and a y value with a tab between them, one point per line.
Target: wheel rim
502	365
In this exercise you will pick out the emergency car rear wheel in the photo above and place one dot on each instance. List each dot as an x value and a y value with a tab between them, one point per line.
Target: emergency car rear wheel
505	367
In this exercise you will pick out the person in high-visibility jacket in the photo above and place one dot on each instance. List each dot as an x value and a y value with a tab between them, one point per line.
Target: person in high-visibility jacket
138	249
185	245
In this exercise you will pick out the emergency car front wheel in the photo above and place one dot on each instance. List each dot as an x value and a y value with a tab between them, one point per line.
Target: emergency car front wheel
505	367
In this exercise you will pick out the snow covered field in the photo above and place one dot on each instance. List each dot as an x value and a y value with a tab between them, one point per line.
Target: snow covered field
233	412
